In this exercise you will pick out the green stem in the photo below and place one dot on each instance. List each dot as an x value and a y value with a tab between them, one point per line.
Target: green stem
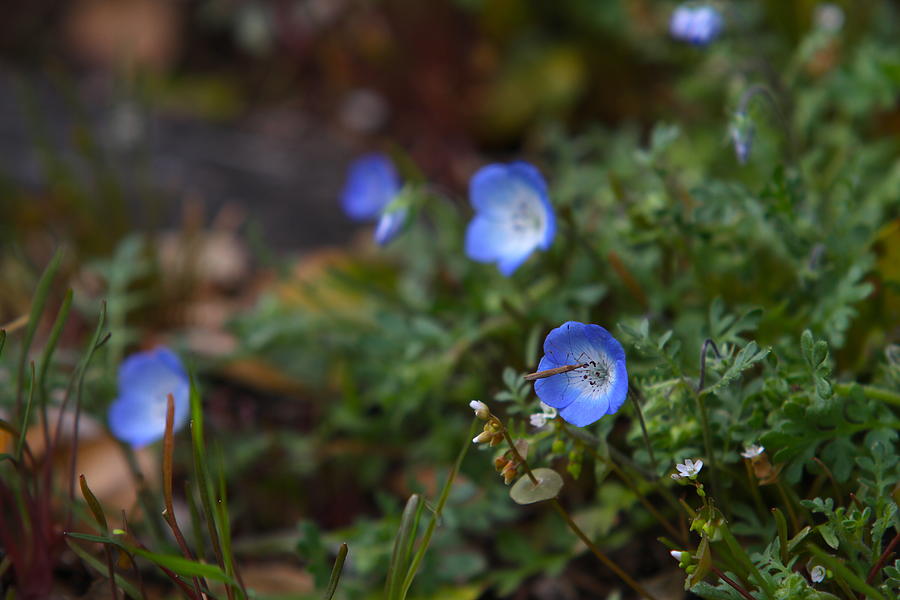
637	587
640	415
869	391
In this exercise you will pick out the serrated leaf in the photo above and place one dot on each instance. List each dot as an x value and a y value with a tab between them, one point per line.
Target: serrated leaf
549	483
746	358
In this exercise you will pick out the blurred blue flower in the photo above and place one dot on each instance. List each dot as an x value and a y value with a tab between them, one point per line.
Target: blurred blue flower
371	190
138	415
698	25
513	215
598	387
741	131
372	183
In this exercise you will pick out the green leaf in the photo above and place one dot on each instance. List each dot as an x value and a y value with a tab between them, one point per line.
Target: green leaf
828	534
549	483
177	564
746	358
406	535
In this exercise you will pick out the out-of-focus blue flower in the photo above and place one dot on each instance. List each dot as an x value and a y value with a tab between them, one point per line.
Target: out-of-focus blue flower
513	215
138	415
698	25
741	132
372	183
598	387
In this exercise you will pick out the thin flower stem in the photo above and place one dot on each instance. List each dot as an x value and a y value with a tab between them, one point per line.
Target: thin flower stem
169	513
629	483
871	392
883	558
640	414
735	585
637	587
754	490
707	441
792	514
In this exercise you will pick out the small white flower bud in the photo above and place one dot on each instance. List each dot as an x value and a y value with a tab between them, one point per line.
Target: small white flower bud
482	437
481	409
676	554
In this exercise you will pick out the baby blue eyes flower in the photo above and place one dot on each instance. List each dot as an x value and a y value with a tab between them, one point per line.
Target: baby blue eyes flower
597	387
371	188
513	215
698	25
372	183
138	415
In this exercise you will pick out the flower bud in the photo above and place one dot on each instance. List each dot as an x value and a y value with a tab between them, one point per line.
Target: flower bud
481	409
509	473
484	436
500	462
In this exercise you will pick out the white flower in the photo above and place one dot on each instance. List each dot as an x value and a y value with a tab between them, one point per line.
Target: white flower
688	470
817	574
481	409
753	450
540	419
676	554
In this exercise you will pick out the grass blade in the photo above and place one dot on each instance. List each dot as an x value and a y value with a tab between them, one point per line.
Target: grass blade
61	317
336	572
201	474
41	292
20	442
405	536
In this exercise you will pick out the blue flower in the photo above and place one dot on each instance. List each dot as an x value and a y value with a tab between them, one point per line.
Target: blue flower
741	131
138	415
372	191
372	183
513	215
598	387
698	25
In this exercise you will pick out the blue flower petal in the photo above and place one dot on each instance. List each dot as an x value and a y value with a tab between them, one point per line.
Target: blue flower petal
389	225
585	410
530	173
560	390
372	182
138	415
513	215
568	344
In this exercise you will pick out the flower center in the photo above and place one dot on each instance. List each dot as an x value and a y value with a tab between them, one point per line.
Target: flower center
596	373
525	216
